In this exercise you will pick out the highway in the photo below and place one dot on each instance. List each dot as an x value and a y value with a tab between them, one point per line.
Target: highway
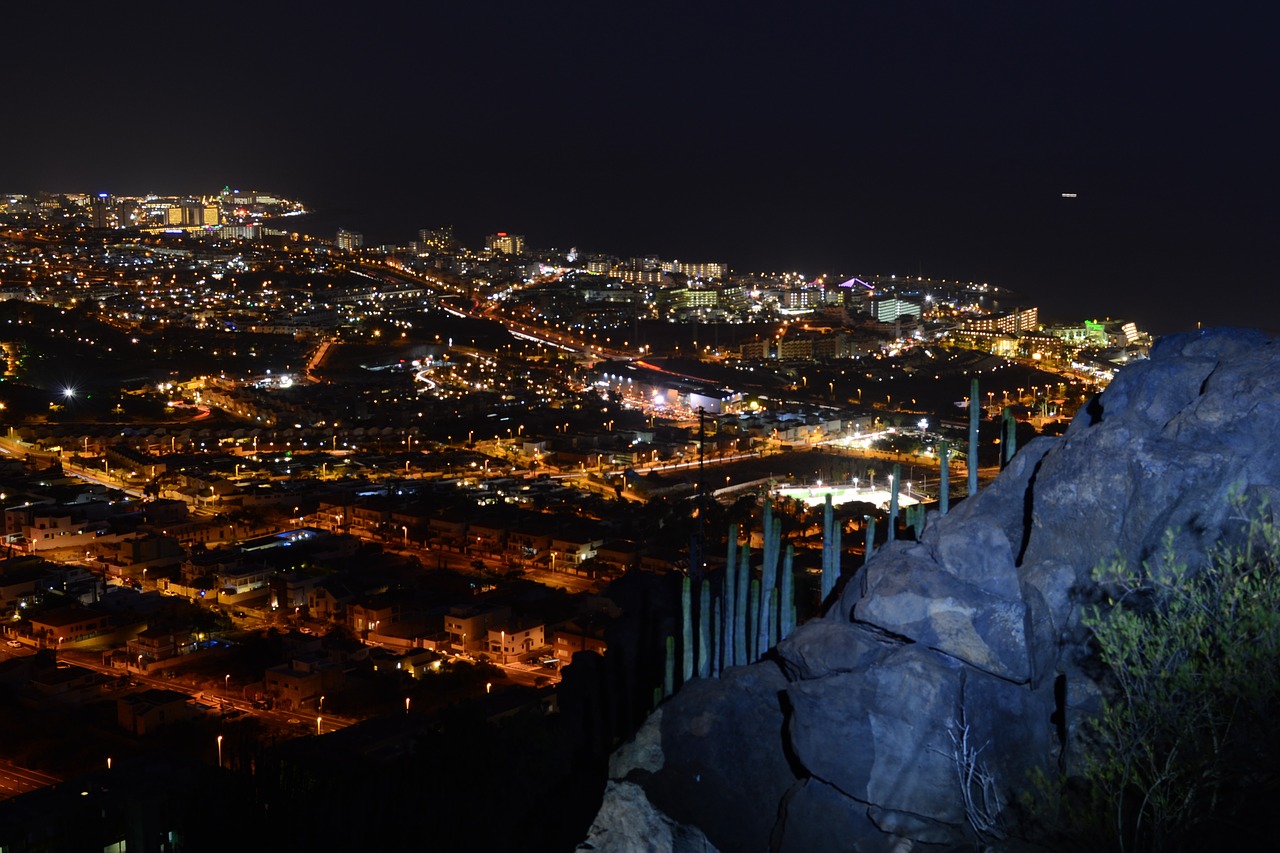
15	780
213	695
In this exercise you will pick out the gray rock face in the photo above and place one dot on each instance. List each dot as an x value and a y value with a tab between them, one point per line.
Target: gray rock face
975	630
721	755
950	616
628	823
849	730
832	646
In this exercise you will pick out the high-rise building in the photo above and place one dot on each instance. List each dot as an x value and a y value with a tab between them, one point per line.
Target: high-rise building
349	240
697	270
436	239
1010	322
100	211
887	309
510	244
197	213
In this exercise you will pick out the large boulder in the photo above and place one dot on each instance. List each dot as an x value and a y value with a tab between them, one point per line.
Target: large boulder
713	757
628	823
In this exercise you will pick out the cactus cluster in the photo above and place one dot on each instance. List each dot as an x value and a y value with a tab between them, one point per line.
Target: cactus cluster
749	615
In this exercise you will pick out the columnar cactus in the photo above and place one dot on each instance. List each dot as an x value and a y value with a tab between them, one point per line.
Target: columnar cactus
915	519
870	549
730	607
788	609
972	461
768	579
686	630
775	619
944	481
669	674
830	552
895	485
1009	426
717	631
704	630
741	644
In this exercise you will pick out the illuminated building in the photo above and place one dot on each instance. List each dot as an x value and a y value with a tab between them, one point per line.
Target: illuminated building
510	244
1010	322
697	270
887	309
349	241
436	239
100	211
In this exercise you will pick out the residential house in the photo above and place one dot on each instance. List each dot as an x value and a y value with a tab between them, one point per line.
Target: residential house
449	531
58	529
516	639
369	519
487	537
468	627
152	710
569	550
301	682
154	645
419	662
66	625
372	612
65	684
527	543
23	580
574	637
618	556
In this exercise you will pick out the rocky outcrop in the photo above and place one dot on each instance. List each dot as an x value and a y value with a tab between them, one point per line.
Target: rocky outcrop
629	823
964	650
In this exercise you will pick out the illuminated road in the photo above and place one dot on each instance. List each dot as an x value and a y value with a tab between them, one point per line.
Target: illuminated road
213	695
15	780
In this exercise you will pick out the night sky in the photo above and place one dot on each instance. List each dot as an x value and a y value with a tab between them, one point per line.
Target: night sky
929	138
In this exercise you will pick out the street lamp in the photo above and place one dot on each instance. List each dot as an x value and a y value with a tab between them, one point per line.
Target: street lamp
226	687
318	719
219	752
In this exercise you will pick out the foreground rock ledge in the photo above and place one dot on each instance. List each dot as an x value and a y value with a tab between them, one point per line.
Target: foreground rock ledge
843	741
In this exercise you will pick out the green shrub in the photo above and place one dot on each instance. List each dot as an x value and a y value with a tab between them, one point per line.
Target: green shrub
1184	749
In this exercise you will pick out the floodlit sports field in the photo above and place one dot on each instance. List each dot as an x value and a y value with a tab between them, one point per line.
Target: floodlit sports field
817	495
